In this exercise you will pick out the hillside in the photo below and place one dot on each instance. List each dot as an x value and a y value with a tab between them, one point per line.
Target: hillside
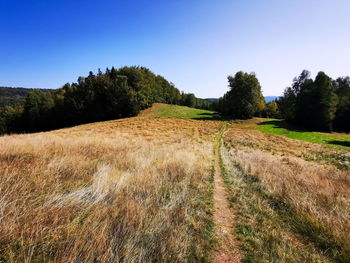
174	111
134	189
271	98
170	185
14	96
113	94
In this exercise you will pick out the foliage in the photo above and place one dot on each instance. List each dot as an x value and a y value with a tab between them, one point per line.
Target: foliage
10	118
14	96
342	115
271	110
320	104
190	100
117	93
244	99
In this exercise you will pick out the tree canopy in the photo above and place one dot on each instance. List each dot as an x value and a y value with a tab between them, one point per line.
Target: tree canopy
114	94
320	104
244	99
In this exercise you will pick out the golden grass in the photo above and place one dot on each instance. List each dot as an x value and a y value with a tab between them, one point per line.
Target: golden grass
281	146
131	190
315	194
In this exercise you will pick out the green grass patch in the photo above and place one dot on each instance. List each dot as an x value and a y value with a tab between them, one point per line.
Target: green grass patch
280	127
175	111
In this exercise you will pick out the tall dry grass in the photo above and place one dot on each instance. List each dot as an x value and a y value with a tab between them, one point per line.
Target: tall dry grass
279	145
131	190
313	197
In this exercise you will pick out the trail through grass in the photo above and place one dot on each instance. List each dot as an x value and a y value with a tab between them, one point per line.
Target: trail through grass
264	236
223	215
142	190
291	206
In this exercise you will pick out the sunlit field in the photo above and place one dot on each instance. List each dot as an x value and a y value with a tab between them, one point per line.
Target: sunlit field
175	131
141	190
280	127
176	111
131	190
293	197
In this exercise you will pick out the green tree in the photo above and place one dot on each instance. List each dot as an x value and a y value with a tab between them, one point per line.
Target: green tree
328	100
114	94
271	110
188	100
342	118
10	119
244	98
310	103
288	103
37	110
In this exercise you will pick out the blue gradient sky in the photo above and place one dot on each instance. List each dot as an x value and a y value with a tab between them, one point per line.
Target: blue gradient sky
195	44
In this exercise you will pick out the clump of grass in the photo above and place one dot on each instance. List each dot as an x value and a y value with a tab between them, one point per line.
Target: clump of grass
133	190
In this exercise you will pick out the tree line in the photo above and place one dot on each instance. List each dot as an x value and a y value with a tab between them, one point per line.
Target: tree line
116	93
10	96
320	104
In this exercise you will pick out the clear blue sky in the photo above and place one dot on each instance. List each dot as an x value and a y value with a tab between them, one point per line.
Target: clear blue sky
195	44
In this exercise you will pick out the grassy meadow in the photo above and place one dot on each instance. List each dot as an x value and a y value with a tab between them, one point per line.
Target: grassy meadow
130	190
280	127
141	190
292	197
183	112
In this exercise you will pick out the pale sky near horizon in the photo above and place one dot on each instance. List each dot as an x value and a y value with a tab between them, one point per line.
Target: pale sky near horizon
194	44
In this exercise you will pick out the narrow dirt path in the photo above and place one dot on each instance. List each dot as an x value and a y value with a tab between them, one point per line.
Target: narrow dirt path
223	216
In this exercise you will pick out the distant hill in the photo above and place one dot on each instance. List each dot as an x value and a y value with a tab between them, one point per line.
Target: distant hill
210	99
271	98
14	96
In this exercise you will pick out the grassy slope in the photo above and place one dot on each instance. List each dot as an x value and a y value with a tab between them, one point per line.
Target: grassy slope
279	127
272	225
290	197
129	190
269	226
175	111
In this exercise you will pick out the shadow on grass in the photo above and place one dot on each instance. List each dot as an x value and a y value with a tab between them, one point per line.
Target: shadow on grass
209	116
281	124
341	143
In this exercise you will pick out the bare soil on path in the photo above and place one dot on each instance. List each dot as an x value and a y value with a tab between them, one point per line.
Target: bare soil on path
228	250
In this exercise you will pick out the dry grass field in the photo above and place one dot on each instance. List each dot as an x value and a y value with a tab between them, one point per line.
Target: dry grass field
130	190
141	190
293	197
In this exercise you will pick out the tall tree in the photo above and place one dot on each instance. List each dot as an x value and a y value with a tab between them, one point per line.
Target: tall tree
288	102
328	100
342	118
309	103
243	99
